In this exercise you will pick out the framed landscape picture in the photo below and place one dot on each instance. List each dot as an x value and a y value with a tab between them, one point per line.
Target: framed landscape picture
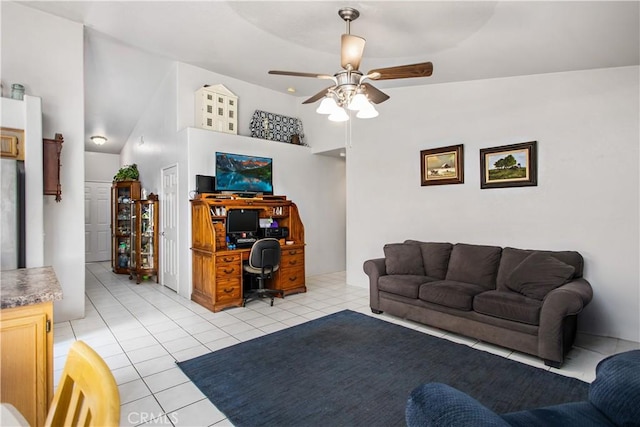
444	165
509	166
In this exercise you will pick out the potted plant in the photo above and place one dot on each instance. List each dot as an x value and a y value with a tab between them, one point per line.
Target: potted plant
127	173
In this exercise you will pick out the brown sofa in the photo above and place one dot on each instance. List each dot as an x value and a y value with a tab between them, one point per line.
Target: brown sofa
525	300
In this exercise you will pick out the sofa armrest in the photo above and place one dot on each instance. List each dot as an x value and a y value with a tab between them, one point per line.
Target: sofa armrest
567	300
374	268
439	405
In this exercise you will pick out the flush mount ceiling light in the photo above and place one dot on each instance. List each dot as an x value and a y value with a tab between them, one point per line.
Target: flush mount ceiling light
98	140
349	91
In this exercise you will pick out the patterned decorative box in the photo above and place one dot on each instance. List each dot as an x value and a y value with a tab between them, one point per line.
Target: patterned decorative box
276	127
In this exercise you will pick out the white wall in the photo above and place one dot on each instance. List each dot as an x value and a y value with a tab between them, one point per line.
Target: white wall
100	166
314	183
586	124
45	53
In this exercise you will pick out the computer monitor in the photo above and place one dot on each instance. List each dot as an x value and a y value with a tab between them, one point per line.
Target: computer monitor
205	184
241	221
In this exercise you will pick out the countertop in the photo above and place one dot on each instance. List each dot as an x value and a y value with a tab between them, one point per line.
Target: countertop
28	286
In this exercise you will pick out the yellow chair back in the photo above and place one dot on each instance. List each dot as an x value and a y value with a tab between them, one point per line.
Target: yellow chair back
87	394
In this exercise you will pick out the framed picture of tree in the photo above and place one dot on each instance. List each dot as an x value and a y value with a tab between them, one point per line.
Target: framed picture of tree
513	165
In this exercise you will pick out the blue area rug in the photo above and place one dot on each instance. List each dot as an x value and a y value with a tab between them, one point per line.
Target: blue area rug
349	369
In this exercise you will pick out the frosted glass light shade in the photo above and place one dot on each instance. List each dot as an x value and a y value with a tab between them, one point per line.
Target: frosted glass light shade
339	115
368	112
359	102
327	106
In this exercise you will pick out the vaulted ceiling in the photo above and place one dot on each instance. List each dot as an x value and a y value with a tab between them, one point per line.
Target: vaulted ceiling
129	46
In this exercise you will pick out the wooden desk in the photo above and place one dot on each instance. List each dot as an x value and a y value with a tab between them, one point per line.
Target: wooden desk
217	272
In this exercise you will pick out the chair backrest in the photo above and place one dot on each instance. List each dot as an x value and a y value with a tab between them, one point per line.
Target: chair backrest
265	253
87	394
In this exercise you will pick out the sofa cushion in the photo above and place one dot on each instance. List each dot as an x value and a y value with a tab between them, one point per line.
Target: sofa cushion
402	284
538	274
474	264
435	257
508	305
616	389
401	258
512	257
450	293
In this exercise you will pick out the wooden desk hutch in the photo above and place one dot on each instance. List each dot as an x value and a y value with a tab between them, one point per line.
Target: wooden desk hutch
217	271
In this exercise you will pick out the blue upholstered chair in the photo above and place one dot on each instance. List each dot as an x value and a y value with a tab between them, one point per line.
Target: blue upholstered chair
614	400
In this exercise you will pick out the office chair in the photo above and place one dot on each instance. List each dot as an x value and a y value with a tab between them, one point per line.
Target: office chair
87	394
264	260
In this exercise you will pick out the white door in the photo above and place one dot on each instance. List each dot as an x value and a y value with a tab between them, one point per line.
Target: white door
169	228
97	212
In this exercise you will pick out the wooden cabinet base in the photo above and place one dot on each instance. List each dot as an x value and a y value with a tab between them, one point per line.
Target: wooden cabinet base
208	303
26	375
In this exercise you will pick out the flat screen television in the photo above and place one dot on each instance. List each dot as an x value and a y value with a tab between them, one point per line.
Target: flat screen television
240	173
241	221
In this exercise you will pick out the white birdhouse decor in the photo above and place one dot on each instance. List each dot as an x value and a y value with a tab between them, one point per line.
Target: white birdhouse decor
217	109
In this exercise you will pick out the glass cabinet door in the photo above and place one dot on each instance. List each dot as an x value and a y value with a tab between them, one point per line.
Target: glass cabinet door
144	239
123	228
122	195
133	221
147	239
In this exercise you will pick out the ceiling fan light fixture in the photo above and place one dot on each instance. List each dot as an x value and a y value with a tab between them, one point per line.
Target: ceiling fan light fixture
339	115
368	112
349	91
98	140
359	102
327	106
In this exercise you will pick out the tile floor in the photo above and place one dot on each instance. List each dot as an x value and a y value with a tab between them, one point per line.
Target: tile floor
142	330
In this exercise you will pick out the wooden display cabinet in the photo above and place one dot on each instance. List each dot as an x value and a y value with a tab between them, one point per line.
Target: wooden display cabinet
217	271
122	193
144	239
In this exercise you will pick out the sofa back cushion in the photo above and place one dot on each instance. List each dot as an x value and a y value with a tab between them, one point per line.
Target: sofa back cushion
435	257
475	264
539	274
401	258
512	257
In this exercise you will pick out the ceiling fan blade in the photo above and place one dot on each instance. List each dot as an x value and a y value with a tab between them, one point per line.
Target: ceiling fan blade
352	50
375	95
318	96
298	74
423	69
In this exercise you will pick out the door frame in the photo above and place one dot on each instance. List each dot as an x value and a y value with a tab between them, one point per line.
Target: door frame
110	184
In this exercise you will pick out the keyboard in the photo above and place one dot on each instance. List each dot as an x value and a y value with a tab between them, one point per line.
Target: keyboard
245	242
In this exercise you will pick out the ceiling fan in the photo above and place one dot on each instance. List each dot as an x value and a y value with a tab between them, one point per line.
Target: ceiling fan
349	89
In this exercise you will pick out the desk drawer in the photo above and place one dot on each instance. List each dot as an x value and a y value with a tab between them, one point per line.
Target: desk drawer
228	266
292	277
228	271
228	290
291	261
228	258
288	251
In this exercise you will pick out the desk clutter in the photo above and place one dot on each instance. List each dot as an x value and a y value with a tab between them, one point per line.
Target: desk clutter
224	230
